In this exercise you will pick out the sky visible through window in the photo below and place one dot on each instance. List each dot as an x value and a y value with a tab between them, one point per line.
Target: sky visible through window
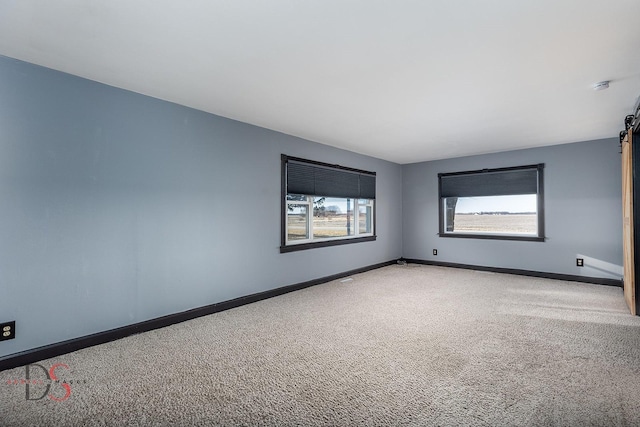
330	203
513	204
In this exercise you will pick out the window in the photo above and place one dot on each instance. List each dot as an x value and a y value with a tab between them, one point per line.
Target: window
504	203
325	205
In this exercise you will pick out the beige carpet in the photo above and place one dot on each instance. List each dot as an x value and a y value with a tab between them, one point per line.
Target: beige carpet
401	345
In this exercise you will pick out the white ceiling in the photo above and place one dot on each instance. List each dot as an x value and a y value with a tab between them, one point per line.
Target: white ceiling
400	80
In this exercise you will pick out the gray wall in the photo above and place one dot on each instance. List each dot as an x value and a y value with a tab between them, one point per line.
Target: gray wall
583	216
117	208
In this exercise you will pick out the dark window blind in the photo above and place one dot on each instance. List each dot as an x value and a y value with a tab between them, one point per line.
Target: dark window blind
490	183
317	180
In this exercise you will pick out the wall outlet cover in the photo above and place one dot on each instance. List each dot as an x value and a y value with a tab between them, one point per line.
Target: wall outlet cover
7	330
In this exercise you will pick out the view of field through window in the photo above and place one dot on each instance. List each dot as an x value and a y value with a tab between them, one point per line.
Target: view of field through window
493	215
332	217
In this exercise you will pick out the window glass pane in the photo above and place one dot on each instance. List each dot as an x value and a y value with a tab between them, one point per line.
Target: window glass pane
365	223
332	217
297	223
297	197
492	214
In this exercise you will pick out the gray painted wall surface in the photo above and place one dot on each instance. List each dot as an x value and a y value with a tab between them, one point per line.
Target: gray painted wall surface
583	216
118	208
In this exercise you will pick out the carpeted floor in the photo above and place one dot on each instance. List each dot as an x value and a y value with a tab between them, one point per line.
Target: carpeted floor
401	345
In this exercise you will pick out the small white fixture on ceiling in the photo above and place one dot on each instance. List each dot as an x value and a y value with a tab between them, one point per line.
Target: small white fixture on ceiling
601	85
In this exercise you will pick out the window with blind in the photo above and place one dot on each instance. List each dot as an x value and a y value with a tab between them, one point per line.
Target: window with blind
505	203
325	205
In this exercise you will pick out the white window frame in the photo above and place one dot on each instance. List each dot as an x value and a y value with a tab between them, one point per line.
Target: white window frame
356	223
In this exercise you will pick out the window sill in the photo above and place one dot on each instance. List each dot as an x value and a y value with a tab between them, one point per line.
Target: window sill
325	243
493	237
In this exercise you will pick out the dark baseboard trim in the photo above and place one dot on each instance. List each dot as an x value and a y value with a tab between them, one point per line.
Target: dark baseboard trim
57	349
545	275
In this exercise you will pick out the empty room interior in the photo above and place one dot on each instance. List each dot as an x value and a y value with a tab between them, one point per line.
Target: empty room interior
319	213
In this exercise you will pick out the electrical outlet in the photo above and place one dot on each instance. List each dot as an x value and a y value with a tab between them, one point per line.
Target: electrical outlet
579	262
435	252
7	330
